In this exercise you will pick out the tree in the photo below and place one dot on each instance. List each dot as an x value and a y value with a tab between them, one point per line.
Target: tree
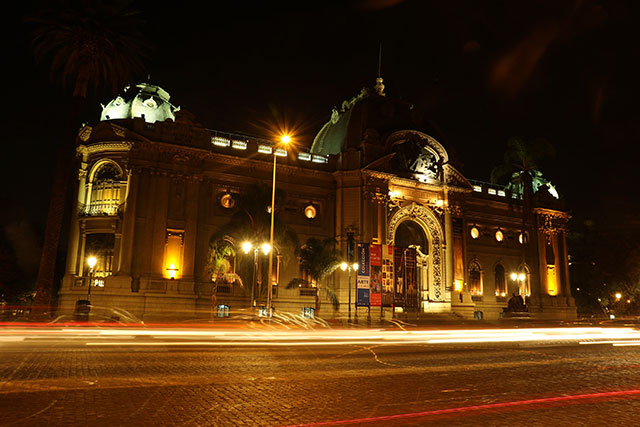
88	45
318	259
250	221
521	164
219	267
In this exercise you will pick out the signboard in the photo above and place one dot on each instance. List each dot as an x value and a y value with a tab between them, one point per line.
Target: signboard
375	283
362	281
387	275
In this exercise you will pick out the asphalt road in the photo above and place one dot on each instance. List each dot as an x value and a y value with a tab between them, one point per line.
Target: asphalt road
77	378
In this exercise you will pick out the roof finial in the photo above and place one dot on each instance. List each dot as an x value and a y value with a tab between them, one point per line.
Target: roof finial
379	86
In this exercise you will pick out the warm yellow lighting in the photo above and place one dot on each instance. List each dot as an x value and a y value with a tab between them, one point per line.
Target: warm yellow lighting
344	266
628	301
285	139
499	236
457	285
310	212
172	271
552	280
246	247
354	266
522	277
92	262
475	233
440	202
266	248
618	295
514	276
393	193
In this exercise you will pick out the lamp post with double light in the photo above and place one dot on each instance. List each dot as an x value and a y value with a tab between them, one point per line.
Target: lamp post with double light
349	267
285	139
246	248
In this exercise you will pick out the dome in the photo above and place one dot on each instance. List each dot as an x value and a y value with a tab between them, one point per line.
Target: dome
370	116
143	100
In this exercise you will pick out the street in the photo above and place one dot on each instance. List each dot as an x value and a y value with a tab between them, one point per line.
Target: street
265	377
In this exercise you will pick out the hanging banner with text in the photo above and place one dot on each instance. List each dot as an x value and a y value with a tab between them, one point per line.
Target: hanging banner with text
387	275
375	282
362	286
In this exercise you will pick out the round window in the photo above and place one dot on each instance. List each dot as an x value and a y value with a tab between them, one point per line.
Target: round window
499	236
227	201
310	212
475	233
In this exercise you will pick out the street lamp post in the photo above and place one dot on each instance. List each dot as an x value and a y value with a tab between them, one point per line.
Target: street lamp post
285	139
345	266
91	261
246	248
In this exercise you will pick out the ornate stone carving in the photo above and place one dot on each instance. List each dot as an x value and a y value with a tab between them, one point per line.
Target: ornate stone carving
85	133
425	217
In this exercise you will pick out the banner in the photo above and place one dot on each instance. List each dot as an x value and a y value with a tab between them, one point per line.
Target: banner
387	275
398	277
375	283
362	283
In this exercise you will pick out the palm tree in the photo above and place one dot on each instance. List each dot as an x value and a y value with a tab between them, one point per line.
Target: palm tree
521	164
219	267
318	259
87	45
251	222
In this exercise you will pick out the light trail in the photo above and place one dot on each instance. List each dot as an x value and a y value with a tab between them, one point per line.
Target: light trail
226	337
572	399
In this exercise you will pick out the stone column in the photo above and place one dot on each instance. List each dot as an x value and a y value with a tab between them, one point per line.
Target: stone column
448	242
128	225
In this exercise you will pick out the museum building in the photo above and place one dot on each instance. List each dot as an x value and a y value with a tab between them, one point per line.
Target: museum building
157	194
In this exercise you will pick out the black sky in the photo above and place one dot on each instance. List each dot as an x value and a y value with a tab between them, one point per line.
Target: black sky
479	71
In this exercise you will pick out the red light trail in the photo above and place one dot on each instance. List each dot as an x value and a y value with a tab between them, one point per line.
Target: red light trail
573	399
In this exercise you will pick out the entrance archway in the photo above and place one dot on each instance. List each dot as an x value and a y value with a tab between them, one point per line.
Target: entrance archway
417	225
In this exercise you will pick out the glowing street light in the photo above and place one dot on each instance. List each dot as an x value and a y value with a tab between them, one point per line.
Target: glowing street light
344	267
91	262
618	295
246	248
285	139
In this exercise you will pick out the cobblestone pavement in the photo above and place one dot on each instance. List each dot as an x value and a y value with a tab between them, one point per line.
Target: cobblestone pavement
60	383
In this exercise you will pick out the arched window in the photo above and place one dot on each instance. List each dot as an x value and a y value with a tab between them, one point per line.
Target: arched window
475	279
105	190
500	281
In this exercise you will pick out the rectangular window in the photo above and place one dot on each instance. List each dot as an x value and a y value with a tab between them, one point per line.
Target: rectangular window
100	246
264	149
304	156
552	280
220	141
477	189
173	251
239	145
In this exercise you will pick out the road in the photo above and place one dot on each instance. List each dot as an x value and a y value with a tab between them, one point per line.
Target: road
264	377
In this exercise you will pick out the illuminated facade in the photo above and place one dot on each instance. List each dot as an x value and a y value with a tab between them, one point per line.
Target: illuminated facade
154	187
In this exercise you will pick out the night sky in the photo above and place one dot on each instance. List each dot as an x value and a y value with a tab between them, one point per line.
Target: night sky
479	71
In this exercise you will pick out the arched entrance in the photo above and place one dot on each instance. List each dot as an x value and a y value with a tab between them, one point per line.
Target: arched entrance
416	226
411	241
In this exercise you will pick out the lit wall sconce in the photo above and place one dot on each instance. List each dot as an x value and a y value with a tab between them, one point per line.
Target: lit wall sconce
172	272
310	212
